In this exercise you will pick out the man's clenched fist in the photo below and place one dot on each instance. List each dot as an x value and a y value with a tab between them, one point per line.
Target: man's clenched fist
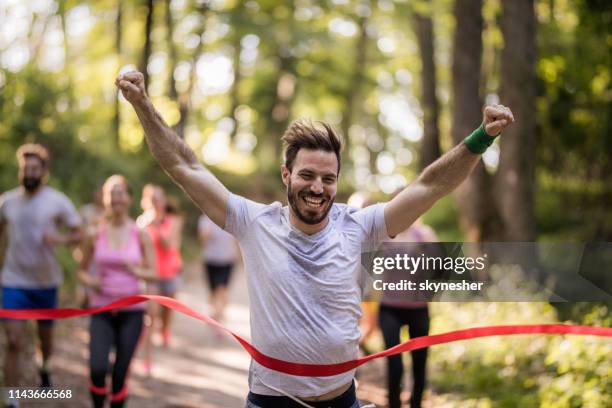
132	86
496	118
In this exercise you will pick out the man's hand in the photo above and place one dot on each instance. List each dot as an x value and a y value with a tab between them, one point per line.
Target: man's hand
53	239
496	118
132	87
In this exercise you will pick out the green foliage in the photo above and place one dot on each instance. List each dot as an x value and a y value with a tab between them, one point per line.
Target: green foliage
574	104
530	371
581	372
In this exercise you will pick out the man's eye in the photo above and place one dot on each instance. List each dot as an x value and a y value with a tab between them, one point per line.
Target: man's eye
329	180
306	176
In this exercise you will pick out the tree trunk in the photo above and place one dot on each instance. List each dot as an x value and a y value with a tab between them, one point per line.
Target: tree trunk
236	37
184	99
516	173
146	51
351	96
234	92
283	100
67	55
279	110
37	43
172	53
118	39
479	218
430	147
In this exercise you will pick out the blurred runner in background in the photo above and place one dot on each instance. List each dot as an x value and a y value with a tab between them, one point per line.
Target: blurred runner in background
398	310
220	253
123	255
165	229
32	216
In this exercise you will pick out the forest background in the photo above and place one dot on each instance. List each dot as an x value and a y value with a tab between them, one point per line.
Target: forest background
404	81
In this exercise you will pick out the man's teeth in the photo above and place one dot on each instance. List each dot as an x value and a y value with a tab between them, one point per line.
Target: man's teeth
313	202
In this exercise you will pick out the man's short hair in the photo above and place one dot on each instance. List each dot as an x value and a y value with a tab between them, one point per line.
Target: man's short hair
304	134
33	150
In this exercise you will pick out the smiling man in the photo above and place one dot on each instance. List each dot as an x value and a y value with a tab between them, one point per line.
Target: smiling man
303	260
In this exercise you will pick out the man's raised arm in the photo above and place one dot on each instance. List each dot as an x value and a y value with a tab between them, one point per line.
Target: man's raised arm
173	154
445	174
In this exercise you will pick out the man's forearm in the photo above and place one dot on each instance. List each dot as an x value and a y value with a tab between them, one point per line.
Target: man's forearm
74	237
438	179
165	145
449	171
445	174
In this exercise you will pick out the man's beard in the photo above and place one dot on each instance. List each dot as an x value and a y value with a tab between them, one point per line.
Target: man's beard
305	216
31	183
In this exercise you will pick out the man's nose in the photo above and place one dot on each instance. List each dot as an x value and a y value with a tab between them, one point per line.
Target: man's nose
317	186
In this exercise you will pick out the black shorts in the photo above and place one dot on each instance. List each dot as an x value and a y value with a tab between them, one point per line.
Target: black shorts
348	399
218	275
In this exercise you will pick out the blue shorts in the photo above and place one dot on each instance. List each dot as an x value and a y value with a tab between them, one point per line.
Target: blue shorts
167	287
21	298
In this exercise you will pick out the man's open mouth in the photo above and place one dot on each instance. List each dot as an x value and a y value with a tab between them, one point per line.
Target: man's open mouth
314	202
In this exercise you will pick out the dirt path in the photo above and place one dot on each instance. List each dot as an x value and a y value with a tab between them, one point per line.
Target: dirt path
200	368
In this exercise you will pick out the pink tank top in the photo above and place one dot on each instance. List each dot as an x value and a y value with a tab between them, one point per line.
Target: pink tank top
116	279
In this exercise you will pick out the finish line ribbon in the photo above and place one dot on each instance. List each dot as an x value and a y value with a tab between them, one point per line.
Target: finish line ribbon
315	370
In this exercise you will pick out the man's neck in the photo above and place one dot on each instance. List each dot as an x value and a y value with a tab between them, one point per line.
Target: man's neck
31	193
308	229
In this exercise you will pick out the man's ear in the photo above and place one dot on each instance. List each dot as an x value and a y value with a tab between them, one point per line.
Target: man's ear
285	174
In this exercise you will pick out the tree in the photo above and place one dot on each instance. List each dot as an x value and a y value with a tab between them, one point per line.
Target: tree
237	20
172	51
354	86
146	50
118	39
430	147
479	218
276	87
516	174
183	98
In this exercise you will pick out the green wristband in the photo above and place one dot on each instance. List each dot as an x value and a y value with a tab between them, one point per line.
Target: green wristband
479	141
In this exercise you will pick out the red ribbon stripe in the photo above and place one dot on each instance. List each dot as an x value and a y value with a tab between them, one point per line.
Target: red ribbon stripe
316	370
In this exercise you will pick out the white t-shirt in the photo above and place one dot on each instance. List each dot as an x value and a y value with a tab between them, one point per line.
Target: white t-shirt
220	247
305	290
30	263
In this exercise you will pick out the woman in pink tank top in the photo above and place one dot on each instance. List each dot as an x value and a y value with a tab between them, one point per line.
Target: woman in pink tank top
123	256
